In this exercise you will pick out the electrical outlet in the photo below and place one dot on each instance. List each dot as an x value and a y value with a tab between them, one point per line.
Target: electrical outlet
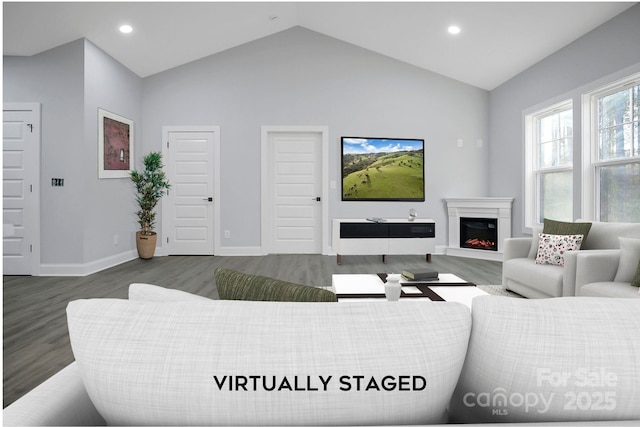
460	143
115	240
227	234
57	182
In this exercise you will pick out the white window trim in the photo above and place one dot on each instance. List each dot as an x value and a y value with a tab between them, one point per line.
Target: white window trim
590	162
532	191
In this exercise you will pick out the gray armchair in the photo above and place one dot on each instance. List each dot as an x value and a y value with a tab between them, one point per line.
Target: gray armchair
522	275
596	274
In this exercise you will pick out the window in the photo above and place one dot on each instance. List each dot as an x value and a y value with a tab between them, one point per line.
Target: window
613	161
549	151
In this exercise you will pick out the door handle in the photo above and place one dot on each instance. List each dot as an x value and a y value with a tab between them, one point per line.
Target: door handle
209	199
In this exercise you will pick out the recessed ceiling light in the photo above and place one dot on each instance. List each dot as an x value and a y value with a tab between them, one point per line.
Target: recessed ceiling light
453	29
126	29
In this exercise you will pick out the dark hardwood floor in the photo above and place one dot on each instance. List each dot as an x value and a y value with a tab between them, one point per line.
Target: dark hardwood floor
36	341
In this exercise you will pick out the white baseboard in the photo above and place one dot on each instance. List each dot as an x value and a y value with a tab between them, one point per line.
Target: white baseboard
441	250
475	253
240	251
87	268
111	261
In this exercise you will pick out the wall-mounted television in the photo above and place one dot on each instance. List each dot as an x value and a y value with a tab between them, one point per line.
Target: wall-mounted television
382	169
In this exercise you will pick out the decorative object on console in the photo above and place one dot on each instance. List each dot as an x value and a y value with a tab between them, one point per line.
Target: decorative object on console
151	185
382	169
375	219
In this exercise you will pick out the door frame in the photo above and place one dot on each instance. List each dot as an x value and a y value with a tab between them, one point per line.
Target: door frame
266	168
167	222
35	175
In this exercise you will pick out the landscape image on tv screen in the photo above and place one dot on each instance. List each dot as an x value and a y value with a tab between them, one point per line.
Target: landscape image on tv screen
382	169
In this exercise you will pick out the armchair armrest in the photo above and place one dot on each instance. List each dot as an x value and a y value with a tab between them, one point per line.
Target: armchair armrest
516	247
596	266
59	401
569	273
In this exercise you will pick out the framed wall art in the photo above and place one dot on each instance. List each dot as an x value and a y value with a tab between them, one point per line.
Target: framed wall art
115	145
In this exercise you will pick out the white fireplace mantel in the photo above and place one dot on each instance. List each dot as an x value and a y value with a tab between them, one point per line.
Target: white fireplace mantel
478	207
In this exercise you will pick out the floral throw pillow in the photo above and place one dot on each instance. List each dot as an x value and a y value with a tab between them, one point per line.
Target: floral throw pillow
552	247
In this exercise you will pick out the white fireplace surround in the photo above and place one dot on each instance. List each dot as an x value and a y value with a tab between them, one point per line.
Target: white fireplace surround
478	207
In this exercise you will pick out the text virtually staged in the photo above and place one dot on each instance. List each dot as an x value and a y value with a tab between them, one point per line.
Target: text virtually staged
320	383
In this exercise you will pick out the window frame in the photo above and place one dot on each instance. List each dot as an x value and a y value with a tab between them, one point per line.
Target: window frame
591	163
534	173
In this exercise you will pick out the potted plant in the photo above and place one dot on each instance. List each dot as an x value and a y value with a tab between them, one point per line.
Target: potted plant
151	185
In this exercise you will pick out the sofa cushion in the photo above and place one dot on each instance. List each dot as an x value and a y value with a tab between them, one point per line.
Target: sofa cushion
236	285
629	259
153	293
552	247
564	228
248	363
609	289
545	278
558	359
604	235
551	226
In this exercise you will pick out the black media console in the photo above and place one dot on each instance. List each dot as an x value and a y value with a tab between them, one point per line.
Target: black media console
387	237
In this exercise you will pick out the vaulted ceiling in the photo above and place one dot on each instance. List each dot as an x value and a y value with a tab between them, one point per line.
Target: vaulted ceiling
497	40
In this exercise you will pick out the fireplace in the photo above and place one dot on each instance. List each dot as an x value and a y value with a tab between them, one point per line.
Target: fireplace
478	226
479	233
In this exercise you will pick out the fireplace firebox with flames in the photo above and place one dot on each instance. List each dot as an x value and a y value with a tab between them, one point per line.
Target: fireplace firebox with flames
479	233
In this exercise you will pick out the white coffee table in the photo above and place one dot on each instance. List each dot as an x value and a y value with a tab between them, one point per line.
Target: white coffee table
370	287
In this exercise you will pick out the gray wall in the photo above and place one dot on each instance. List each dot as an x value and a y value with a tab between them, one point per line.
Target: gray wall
297	77
605	54
300	77
55	79
78	221
109	203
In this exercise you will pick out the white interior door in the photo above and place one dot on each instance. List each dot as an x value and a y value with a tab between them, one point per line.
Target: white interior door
295	176
21	195
191	199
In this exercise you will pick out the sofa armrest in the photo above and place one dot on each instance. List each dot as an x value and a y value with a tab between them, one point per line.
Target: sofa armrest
516	247
569	273
59	401
596	266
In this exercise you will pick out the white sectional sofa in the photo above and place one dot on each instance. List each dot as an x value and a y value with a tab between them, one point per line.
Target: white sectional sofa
613	273
521	273
174	359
